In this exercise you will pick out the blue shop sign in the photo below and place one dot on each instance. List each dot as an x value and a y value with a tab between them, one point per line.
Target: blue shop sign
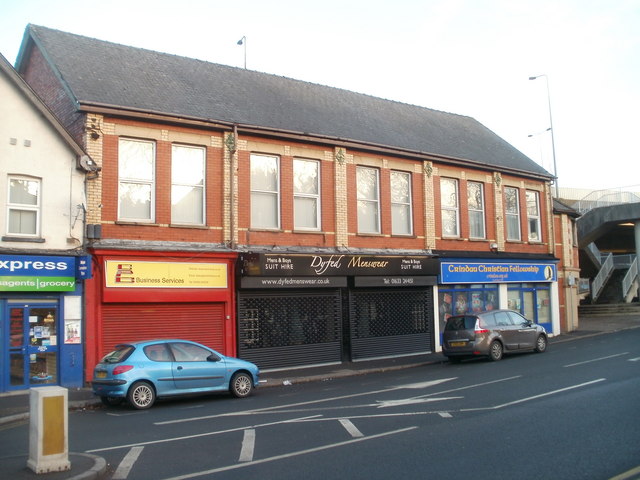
34	273
488	272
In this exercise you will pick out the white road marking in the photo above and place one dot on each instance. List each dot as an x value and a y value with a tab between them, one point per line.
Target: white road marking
206	434
597	359
627	475
634	359
122	472
522	400
445	414
411	401
248	444
351	428
289	455
310	402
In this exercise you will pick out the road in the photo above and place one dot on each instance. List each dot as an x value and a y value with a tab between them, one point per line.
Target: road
570	413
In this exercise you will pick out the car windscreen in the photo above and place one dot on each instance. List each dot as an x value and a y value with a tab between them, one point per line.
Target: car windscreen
120	354
462	322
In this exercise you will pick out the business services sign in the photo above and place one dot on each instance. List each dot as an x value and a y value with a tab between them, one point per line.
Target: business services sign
27	273
487	272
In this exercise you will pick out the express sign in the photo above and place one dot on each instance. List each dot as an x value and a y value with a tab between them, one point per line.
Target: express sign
24	273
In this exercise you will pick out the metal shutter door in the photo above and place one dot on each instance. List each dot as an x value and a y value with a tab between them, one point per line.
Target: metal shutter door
203	323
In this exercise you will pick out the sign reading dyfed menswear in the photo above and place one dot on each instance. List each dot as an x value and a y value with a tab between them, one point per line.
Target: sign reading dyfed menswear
135	274
26	273
269	264
480	272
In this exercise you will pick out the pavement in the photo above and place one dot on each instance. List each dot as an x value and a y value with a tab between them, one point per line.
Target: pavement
14	407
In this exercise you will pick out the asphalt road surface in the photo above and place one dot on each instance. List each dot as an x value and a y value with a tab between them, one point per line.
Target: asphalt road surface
570	413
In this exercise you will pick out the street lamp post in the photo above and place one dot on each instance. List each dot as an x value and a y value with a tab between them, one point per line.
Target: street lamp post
553	143
243	42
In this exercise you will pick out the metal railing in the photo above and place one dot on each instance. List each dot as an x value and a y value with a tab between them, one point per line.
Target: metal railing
608	197
629	284
603	275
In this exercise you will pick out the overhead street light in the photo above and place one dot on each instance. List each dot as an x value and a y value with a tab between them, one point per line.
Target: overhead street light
553	143
243	41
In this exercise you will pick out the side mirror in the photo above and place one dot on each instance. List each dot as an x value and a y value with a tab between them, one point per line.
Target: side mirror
213	358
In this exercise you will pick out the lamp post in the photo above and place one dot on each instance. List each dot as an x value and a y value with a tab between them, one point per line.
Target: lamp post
553	143
243	41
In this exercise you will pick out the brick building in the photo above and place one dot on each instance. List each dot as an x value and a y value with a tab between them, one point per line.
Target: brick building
286	222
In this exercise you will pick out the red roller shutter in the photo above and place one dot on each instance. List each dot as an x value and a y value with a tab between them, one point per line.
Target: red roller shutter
199	322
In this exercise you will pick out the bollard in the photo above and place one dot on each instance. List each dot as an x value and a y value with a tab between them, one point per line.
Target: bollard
48	428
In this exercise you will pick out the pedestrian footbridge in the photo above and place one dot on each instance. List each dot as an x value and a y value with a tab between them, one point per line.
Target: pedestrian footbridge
609	240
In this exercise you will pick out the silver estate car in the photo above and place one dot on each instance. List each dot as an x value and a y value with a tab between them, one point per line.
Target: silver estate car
491	334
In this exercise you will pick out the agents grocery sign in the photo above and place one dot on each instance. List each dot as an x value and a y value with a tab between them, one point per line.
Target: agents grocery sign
25	273
137	274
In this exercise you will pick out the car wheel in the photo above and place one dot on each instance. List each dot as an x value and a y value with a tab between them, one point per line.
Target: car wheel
495	351
541	344
141	395
241	385
111	401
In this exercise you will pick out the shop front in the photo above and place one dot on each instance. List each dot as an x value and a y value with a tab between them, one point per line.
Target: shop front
41	320
530	288
142	296
303	309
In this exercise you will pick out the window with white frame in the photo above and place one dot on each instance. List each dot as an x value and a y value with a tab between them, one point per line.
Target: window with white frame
368	188
306	194
533	215
450	207
475	203
136	180
512	213
265	191
401	215
187	185
23	207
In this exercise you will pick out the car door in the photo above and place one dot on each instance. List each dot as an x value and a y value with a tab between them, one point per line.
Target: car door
193	368
506	330
525	331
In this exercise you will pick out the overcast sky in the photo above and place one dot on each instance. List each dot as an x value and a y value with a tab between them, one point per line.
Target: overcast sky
469	57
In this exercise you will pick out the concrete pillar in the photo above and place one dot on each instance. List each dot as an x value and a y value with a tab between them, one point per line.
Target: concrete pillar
637	235
48	430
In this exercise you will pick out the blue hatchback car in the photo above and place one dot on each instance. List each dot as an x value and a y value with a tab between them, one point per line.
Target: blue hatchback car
141	372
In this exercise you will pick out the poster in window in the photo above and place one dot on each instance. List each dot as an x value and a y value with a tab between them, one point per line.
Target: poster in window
72	331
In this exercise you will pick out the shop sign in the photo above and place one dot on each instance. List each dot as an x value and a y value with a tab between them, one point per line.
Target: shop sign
481	272
135	274
267	264
293	282
31	273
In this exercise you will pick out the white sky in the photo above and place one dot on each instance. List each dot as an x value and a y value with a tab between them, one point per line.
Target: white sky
469	57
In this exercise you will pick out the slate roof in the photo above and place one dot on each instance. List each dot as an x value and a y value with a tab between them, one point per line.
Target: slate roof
105	73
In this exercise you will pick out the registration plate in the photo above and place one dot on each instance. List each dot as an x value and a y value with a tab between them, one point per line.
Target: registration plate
101	374
457	344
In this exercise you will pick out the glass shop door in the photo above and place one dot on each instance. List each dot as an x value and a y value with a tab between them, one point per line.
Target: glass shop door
33	345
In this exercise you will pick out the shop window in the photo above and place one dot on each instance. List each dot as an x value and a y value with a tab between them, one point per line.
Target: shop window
512	213
136	183
306	194
461	299
187	185
450	207
401	216
368	187
265	192
23	207
475	202
533	215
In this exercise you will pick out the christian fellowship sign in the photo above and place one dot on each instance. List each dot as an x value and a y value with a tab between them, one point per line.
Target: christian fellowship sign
266	264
